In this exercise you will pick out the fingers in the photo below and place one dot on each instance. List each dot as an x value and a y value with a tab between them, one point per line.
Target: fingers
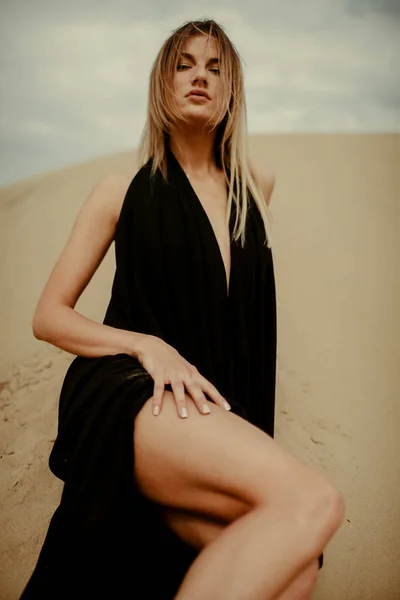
178	390
212	391
158	392
166	366
198	397
196	386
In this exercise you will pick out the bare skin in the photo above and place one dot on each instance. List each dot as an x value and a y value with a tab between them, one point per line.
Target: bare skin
222	484
238	496
199	531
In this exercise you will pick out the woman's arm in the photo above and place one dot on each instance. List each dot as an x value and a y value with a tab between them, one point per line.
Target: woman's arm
267	184
55	320
266	180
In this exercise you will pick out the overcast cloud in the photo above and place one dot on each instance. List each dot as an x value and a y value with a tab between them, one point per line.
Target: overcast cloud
74	76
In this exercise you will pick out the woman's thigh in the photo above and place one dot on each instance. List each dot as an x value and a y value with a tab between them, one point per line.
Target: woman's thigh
218	465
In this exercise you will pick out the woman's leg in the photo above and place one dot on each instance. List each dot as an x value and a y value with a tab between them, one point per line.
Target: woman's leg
246	564
199	531
212	464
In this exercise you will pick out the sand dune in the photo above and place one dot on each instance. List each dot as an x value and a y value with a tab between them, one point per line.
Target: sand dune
336	222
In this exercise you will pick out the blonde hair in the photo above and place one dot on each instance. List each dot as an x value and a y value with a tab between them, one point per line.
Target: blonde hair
230	148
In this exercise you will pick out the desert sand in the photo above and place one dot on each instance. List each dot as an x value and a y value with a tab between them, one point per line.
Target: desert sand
336	223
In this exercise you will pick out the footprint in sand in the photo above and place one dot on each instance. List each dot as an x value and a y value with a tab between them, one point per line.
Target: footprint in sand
339	430
335	428
28	373
316	440
286	415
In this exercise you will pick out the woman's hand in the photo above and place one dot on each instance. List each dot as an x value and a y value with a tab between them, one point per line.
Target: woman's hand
166	365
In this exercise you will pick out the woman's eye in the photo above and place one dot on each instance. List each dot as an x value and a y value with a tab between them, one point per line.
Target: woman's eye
181	67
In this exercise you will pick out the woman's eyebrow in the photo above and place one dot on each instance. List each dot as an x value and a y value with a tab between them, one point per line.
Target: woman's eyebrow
188	56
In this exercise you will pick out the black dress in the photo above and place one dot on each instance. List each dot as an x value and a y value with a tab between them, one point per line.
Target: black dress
105	538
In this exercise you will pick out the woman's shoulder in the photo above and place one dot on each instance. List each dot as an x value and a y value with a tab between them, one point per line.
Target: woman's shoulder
111	190
116	186
266	179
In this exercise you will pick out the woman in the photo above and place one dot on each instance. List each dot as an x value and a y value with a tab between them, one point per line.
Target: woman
200	503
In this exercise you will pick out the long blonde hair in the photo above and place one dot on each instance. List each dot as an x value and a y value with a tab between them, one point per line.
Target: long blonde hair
230	148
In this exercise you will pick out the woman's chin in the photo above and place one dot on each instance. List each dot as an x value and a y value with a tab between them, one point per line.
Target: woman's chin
197	117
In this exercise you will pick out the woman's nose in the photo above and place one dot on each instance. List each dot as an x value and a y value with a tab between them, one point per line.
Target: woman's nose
200	73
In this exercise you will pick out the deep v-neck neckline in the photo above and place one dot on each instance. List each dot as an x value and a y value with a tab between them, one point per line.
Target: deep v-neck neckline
208	224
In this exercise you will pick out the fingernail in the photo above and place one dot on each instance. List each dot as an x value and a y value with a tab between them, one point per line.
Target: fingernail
184	412
205	409
227	405
156	410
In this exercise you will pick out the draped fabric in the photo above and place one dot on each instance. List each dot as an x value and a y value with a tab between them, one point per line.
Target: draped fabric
170	281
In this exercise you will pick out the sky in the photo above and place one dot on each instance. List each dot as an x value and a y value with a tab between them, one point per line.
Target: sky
74	75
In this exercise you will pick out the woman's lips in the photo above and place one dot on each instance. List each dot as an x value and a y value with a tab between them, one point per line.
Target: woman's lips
197	97
199	93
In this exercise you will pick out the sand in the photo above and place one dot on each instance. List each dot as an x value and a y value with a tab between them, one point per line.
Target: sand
336	217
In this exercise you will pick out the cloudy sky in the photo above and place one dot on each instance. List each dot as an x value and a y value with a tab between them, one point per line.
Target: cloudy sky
74	75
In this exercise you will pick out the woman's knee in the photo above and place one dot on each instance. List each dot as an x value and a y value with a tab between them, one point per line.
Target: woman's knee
319	516
332	507
307	497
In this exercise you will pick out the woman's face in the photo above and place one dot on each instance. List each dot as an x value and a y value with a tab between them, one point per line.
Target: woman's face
198	70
